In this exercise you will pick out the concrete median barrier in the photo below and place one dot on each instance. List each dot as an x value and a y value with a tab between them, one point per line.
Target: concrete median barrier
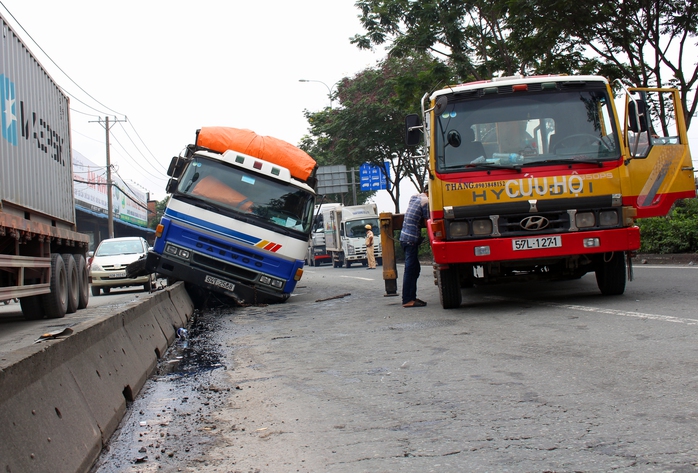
61	400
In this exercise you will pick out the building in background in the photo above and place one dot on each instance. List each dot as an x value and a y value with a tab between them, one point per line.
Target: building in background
129	204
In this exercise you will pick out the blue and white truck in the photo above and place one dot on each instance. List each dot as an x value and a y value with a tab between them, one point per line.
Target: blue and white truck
239	216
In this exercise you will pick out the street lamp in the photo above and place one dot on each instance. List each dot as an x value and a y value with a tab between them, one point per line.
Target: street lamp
329	89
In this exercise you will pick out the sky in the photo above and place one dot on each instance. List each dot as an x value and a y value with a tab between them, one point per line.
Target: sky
172	67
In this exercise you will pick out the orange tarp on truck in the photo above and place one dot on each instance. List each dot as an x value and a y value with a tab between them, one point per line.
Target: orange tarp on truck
274	150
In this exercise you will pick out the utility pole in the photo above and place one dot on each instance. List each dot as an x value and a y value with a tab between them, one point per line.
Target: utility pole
110	206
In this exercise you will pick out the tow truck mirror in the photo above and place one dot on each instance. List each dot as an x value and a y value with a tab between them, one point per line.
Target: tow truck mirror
637	115
413	130
171	186
176	166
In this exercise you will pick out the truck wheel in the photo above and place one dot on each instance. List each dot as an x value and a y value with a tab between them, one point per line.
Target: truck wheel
449	288
95	291
55	304
31	307
610	274
84	278
73	279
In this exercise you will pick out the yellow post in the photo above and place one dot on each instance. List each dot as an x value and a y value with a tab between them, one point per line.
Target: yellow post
389	223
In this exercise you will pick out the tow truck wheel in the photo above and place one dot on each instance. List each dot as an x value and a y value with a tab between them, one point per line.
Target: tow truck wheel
610	274
449	288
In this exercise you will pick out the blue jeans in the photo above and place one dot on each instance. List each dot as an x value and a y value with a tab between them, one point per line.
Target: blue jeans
412	270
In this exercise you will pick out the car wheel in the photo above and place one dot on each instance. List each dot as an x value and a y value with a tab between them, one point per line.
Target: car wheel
95	291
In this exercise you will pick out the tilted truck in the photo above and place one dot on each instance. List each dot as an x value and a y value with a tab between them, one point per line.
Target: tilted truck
317	250
42	256
238	218
345	234
537	178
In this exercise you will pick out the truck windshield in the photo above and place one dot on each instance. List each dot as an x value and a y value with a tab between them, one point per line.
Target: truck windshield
357	228
517	129
239	193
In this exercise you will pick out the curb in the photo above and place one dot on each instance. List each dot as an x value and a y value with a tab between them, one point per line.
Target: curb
60	401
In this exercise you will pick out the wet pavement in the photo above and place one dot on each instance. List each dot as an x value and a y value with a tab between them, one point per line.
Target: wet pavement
169	426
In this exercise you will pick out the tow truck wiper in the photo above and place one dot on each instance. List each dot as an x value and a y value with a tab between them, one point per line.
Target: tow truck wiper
512	167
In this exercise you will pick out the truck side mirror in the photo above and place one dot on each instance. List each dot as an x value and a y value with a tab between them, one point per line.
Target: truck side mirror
637	115
176	166
413	130
171	186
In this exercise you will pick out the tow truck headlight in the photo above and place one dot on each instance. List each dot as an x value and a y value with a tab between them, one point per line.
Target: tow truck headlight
482	227
585	219
608	218
458	229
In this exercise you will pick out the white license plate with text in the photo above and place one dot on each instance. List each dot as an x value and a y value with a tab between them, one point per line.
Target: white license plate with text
536	243
219	282
120	274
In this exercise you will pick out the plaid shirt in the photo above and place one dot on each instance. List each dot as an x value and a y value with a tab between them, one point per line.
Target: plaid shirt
417	212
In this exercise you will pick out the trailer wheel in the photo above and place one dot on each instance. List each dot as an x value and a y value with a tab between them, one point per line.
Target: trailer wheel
55	304
449	288
610	274
73	280
31	307
84	278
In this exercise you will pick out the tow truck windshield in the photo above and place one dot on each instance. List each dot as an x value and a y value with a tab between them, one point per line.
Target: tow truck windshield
477	131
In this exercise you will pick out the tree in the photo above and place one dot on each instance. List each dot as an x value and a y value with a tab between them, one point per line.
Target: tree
368	124
160	207
646	43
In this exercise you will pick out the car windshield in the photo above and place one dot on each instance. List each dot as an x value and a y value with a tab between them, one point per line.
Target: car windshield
516	129
119	247
239	193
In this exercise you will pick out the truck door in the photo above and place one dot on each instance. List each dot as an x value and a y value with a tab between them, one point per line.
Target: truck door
660	167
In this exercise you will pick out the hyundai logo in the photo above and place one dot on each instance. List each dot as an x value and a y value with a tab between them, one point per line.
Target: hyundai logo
534	223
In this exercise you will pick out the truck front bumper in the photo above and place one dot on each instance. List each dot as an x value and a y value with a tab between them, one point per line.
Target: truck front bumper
242	292
502	249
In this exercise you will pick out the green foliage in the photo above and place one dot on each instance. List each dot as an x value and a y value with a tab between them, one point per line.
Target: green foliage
368	124
647	44
675	233
160	207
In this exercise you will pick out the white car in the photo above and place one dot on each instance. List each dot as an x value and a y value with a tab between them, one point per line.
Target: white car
108	264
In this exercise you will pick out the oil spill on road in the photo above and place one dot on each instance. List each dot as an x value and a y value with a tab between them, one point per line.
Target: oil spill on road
170	426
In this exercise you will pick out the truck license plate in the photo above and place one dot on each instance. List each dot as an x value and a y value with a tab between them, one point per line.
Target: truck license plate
120	274
536	243
219	282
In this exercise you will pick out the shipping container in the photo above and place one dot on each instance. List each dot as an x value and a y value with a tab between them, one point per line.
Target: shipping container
42	257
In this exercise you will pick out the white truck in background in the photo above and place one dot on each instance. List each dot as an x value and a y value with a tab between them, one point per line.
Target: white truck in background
317	250
345	234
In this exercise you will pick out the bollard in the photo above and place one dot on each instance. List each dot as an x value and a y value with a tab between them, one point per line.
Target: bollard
388	224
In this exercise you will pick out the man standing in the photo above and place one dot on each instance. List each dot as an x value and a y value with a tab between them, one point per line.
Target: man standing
410	238
369	248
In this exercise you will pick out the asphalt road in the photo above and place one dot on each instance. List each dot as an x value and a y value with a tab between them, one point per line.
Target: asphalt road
528	378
